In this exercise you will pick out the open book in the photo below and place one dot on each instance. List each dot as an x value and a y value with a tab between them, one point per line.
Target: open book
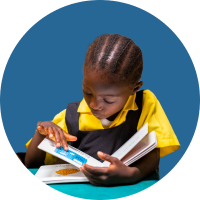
137	146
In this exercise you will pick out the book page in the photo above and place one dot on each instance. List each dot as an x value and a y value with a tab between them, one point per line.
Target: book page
63	173
130	144
142	146
72	155
140	155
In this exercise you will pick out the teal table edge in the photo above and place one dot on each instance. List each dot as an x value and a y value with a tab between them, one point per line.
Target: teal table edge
89	191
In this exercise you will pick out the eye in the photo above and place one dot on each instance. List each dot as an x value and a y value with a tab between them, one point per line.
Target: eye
87	93
108	102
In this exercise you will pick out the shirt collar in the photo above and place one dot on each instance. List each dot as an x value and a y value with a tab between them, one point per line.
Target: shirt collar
83	107
130	105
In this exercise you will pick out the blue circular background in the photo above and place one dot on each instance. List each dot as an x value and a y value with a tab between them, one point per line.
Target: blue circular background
44	72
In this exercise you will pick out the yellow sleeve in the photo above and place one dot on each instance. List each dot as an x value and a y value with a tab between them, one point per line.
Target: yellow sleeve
59	119
27	144
153	113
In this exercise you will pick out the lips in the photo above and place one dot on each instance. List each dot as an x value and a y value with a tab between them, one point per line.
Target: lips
96	114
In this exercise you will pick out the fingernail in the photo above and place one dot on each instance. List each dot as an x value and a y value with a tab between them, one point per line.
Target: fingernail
58	144
100	153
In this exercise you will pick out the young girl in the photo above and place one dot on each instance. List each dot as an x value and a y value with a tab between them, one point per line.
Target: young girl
111	111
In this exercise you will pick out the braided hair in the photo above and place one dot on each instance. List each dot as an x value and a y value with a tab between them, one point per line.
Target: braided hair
116	56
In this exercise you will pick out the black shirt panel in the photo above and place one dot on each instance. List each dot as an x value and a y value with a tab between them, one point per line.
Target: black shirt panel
105	140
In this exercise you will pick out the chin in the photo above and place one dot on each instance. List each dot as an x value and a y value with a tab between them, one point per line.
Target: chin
99	116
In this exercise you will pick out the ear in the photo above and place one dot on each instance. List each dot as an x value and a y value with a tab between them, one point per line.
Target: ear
137	87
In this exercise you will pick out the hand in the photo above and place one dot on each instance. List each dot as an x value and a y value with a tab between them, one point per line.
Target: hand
116	174
52	130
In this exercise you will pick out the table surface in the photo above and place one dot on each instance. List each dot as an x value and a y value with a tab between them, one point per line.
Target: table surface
88	191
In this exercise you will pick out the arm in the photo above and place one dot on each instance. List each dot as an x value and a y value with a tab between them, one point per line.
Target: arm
118	173
35	157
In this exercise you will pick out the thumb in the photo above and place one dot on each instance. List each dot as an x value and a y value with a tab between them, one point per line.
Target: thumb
41	130
107	157
40	127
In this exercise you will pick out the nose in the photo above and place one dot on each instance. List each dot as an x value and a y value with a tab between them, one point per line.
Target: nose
95	105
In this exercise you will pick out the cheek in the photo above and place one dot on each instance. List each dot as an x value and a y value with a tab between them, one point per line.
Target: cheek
87	99
119	105
112	109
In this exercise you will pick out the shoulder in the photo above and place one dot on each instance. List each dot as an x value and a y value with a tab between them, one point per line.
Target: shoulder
59	116
149	96
150	102
61	113
153	113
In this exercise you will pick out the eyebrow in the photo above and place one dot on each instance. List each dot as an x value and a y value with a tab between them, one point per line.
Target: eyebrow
112	95
109	95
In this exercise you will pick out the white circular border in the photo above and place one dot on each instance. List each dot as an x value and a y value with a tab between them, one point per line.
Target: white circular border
17	17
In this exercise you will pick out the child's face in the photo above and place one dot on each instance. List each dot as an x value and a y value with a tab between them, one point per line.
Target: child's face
103	98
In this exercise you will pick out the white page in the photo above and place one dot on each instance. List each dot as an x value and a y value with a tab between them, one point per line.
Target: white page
141	155
142	146
48	175
127	146
73	155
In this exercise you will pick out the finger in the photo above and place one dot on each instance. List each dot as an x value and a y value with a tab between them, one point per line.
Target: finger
96	170
95	183
50	132
57	138
40	127
94	180
63	139
41	130
90	175
46	130
107	157
69	137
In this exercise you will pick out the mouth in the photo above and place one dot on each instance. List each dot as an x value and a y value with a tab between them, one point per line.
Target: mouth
97	115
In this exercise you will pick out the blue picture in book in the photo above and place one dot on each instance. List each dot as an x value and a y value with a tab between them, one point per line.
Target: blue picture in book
71	155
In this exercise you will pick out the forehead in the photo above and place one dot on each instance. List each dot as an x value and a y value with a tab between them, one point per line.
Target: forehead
96	77
102	83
